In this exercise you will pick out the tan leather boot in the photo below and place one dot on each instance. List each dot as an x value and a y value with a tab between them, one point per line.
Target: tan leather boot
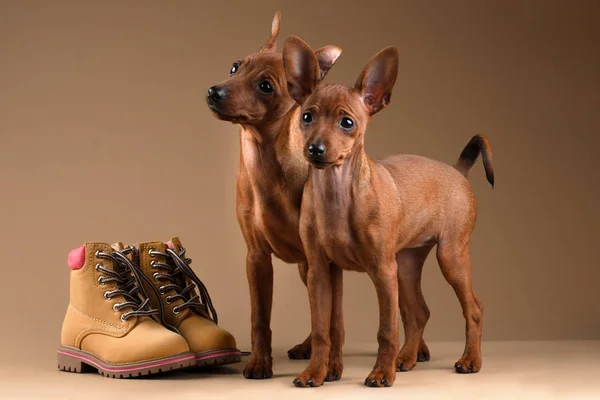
186	303
109	324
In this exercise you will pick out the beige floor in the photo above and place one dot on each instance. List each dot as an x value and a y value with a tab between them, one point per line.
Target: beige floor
512	370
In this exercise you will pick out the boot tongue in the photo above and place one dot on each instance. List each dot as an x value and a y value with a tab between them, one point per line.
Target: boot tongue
174	244
117	246
144	259
147	246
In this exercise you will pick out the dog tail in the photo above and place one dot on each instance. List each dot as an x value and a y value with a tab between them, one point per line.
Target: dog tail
477	144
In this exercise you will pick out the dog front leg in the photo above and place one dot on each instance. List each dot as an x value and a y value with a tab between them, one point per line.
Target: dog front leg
301	351
320	297
336	362
386	285
260	279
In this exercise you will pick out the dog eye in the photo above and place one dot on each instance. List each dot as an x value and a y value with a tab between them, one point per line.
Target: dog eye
306	118
346	123
265	87
234	68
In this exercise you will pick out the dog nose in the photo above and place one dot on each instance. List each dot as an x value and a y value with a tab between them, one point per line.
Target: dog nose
216	93
316	149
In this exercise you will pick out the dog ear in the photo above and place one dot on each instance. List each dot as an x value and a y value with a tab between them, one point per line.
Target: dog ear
301	68
271	44
377	79
327	56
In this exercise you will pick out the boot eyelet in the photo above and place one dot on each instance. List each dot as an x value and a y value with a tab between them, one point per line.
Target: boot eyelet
155	276
107	295
153	264
161	290
124	318
101	280
175	310
168	300
116	307
98	266
150	251
97	253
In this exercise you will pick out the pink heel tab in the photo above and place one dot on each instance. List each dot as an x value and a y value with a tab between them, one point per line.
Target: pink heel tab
169	244
76	258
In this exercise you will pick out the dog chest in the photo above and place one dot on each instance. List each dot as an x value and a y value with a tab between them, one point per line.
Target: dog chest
279	225
339	244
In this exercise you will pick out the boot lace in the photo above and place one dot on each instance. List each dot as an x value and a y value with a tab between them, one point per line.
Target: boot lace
129	285
175	275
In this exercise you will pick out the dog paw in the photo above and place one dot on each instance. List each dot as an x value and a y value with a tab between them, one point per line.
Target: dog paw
407	359
258	369
311	377
380	377
334	370
468	365
423	354
406	364
300	352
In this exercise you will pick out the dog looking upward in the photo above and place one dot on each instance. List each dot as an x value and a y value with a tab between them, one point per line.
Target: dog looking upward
271	177
379	217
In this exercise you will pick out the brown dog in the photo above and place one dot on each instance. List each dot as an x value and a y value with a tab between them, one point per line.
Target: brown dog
271	176
379	217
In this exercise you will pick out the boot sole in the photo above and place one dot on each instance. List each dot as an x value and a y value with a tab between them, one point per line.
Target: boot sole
218	357
73	360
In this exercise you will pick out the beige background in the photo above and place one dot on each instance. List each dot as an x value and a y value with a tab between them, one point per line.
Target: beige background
105	136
